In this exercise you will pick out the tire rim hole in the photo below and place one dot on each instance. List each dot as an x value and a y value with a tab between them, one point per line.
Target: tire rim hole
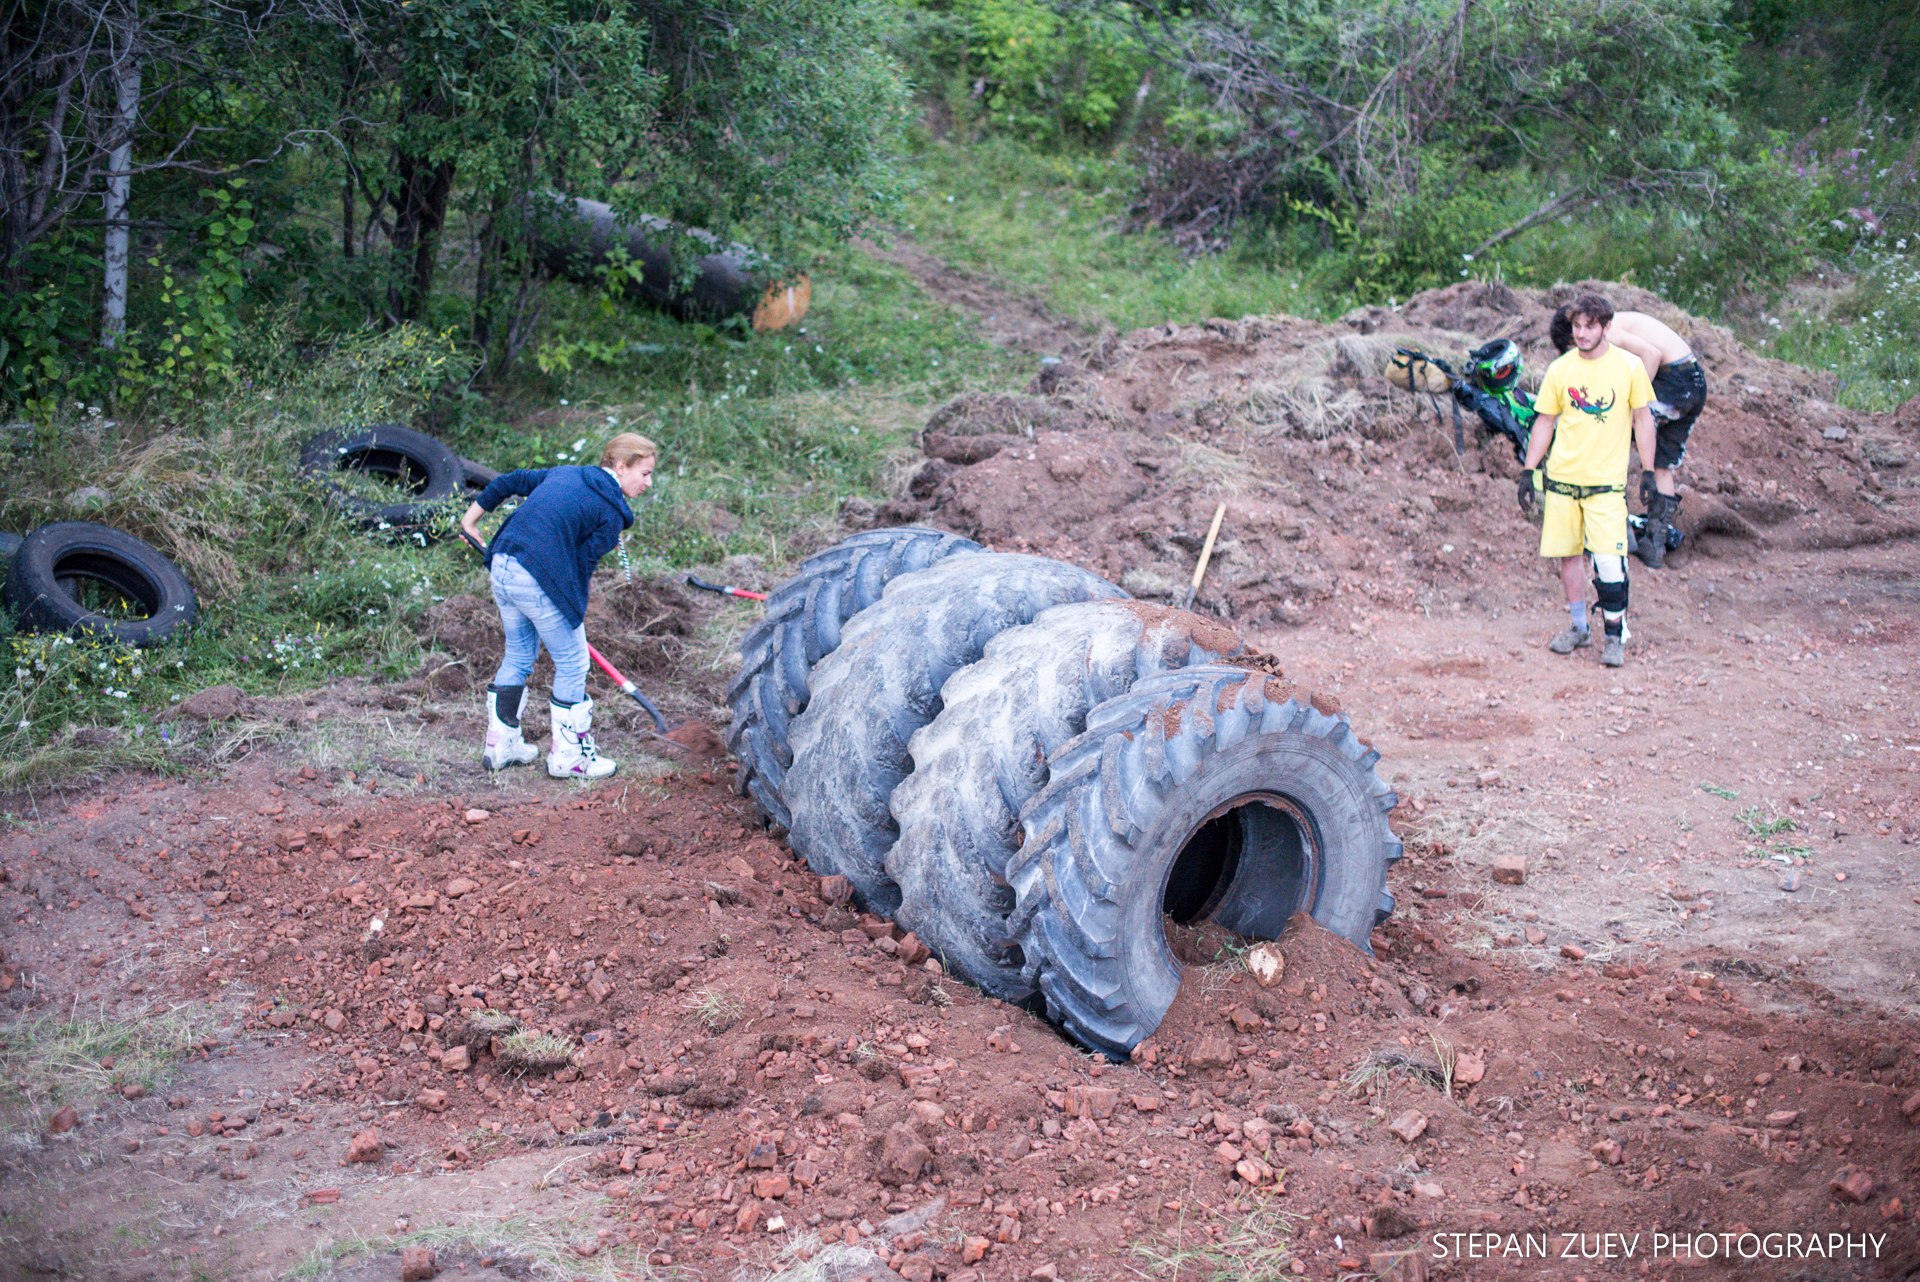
108	589
386	468
1204	869
1267	837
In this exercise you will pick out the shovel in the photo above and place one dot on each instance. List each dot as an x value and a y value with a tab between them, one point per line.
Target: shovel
1206	554
724	589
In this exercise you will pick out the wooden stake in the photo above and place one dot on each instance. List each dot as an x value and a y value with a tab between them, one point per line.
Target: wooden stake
1206	554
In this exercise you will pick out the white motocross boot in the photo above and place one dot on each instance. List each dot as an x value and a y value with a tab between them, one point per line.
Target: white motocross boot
574	755
506	745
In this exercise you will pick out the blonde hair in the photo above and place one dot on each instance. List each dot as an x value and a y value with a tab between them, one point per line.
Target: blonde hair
627	447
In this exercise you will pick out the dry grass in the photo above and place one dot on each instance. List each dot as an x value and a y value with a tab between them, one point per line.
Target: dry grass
59	1058
1374	1074
805	1260
482	1026
715	1010
1329	388
1216	471
1474	832
1251	1246
535	1054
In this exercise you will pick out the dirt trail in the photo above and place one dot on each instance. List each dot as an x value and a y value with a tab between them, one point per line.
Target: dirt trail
1007	318
1695	1017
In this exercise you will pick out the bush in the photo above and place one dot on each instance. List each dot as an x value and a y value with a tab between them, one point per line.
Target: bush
1044	73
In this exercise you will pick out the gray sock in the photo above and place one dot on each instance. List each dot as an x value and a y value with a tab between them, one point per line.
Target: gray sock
1578	611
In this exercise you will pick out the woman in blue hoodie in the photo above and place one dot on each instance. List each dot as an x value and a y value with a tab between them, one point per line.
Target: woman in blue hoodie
541	563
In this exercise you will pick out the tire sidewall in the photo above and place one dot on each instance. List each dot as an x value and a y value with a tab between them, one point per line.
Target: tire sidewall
1326	786
445	471
40	604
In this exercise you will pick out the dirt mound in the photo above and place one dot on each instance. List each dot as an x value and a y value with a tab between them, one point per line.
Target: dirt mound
642	628
1326	469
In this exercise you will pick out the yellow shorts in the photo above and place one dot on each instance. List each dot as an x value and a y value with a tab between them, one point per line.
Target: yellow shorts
1569	527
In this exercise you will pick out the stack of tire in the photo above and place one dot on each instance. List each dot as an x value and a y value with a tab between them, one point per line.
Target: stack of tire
424	466
55	570
1035	773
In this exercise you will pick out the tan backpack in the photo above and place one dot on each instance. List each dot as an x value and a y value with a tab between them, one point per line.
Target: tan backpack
1413	371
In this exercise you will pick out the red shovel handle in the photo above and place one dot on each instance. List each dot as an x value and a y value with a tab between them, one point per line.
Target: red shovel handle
627	688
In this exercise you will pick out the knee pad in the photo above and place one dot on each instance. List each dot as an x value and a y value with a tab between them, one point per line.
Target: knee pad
1610	581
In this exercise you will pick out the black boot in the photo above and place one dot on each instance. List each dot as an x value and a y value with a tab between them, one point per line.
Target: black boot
1652	547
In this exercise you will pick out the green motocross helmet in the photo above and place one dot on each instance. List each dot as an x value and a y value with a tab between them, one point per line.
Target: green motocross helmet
1497	366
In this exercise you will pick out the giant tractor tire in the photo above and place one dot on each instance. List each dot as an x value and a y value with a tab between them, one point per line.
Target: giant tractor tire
987	752
802	625
883	682
1207	794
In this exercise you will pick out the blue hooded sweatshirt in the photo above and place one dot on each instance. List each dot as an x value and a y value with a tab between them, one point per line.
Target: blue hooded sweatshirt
572	517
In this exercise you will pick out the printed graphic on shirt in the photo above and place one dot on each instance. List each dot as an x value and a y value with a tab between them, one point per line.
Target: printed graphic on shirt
1583	401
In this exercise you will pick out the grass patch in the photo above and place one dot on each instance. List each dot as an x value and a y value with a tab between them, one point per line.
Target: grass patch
49	1060
1763	825
715	1010
1856	320
1374	1074
483	1025
1714	789
1473	833
805	1259
1253	1246
535	1054
1050	225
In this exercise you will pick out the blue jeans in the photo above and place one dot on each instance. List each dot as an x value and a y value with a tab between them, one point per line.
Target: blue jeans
530	617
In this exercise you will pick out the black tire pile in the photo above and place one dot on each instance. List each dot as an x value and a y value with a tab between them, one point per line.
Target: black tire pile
1035	773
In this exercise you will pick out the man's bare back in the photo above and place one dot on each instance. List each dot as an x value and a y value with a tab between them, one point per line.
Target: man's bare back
1653	341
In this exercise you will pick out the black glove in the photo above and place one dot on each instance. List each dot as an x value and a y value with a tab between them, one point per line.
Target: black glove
1529	493
1647	490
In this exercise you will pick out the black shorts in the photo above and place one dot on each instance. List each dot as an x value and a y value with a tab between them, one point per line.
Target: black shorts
1679	394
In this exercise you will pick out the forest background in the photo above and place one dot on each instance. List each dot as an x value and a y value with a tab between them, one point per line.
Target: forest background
227	225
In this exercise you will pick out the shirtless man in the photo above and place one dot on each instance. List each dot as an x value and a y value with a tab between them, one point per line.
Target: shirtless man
1679	391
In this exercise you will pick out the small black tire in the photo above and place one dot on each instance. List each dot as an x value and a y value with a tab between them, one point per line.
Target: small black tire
475	477
801	625
426	467
1209	794
883	682
974	766
53	559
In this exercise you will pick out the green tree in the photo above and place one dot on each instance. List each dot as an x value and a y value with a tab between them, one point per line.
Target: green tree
1380	112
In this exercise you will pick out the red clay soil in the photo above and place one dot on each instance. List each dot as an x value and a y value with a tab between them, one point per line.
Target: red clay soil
753	1059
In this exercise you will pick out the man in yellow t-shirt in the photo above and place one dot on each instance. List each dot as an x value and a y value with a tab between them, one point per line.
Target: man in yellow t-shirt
1593	401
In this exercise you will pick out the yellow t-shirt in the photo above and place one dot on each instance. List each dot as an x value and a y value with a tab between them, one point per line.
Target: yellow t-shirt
1594	400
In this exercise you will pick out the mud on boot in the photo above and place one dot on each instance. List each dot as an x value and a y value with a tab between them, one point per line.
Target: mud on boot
574	755
506	741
